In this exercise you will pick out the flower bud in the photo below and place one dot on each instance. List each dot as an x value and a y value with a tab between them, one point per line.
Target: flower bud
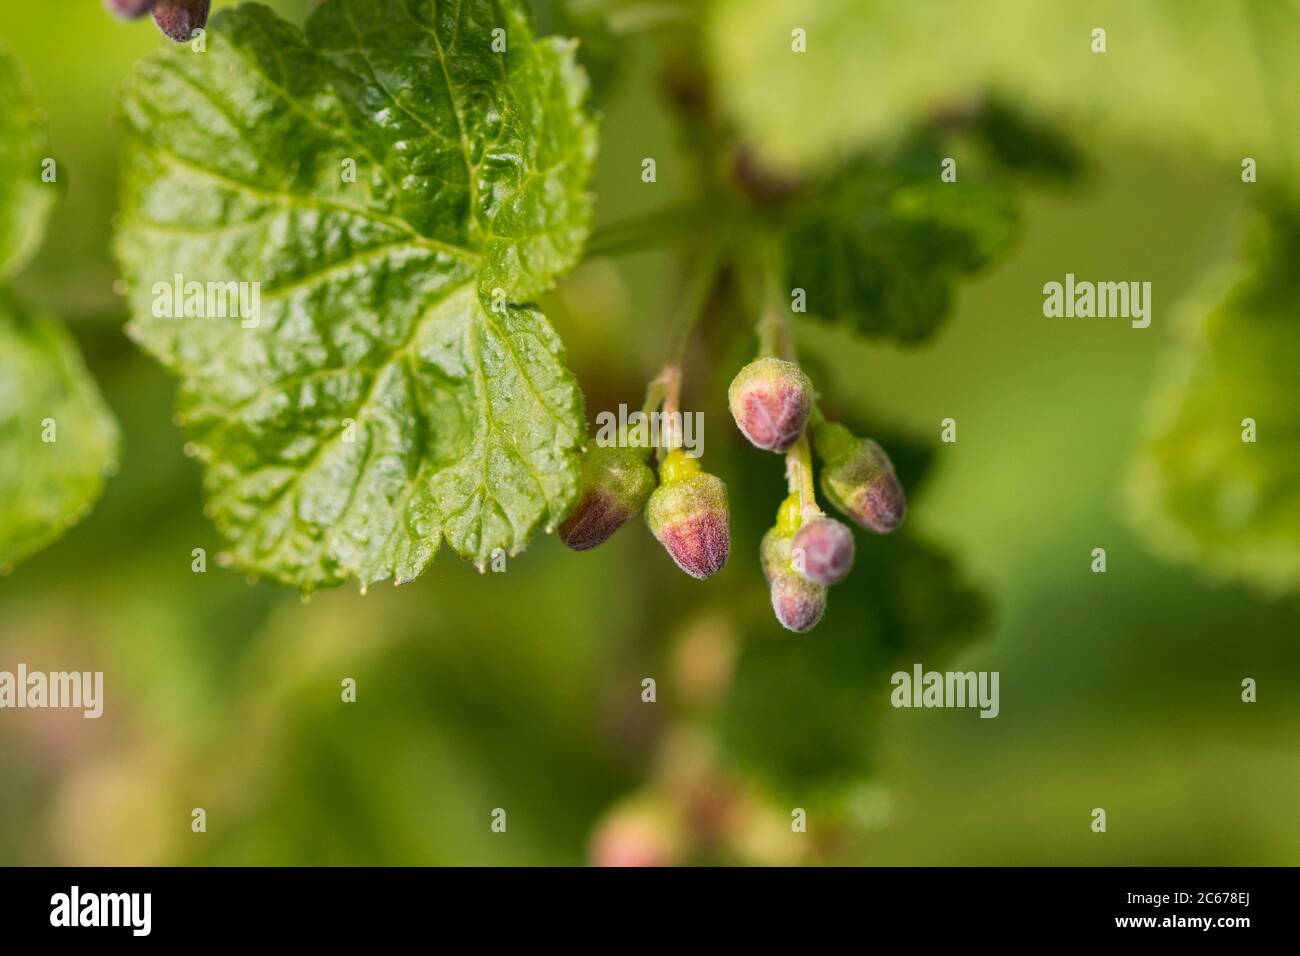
858	479
770	400
823	550
688	515
797	602
640	831
178	19
129	9
615	485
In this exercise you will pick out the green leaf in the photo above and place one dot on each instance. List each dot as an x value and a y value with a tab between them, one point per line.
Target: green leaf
1220	78
391	308
1022	143
880	246
57	438
1199	491
25	201
802	712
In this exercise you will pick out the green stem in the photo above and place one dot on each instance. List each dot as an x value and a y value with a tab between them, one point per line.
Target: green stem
799	475
690	304
768	301
650	230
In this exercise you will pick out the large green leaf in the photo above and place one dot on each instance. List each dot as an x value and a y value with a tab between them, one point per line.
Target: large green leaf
390	307
25	200
1198	490
57	438
1220	78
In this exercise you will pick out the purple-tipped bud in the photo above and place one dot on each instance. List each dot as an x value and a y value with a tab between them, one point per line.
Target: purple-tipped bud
615	485
823	550
129	9
688	515
858	479
797	602
640	832
178	19
770	400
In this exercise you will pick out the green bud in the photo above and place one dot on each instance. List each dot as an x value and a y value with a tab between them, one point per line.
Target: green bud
615	485
178	19
858	478
688	515
770	400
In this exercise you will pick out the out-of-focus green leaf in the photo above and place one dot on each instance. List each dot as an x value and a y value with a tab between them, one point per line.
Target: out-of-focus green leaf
1221	77
57	437
880	246
25	201
389	306
1023	143
801	714
1198	489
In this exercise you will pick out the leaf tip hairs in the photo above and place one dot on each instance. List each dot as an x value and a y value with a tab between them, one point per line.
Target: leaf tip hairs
770	400
688	515
858	478
615	485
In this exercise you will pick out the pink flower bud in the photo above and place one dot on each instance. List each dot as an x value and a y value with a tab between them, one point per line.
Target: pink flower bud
797	602
688	515
638	832
858	479
178	19
615	485
823	550
770	400
129	9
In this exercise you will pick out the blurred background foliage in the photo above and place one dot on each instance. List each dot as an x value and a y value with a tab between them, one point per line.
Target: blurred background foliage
522	690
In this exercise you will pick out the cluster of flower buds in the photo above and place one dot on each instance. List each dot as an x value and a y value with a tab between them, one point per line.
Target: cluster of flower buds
687	512
178	19
797	601
806	552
